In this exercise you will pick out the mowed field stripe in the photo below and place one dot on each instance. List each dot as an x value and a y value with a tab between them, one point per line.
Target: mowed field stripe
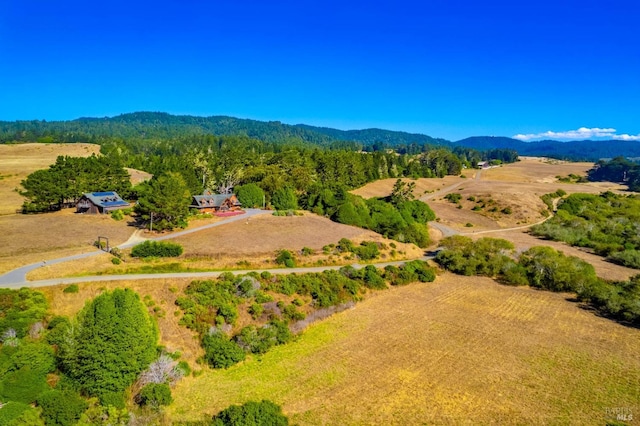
459	350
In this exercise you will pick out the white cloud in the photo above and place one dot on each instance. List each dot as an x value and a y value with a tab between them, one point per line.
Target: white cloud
581	133
626	137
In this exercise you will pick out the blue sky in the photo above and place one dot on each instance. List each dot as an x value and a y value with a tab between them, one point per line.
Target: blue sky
449	69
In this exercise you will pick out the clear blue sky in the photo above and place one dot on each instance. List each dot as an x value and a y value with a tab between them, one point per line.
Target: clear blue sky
449	69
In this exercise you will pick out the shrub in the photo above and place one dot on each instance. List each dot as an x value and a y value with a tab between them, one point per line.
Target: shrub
264	413
156	249
250	195
12	411
367	250
155	395
117	215
507	210
306	251
19	309
284	257
116	261
284	199
220	352
256	310
61	407
73	288
453	197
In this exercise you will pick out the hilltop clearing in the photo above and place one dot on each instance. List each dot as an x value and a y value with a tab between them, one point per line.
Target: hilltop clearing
18	161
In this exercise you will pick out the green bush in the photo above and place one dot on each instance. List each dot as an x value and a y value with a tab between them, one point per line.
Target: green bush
453	197
61	408
117	215
284	257
156	249
23	385
220	352
155	395
20	309
367	250
264	413
116	261
250	195
12	411
284	199
73	288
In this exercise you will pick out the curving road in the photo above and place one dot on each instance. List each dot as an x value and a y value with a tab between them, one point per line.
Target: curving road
18	277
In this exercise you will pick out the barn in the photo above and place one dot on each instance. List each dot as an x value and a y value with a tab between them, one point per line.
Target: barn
100	202
215	203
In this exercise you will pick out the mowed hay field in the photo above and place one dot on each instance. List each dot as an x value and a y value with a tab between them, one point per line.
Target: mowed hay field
19	160
461	350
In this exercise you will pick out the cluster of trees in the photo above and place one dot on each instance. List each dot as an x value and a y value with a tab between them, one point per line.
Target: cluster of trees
65	181
545	268
211	307
401	218
608	223
619	170
63	371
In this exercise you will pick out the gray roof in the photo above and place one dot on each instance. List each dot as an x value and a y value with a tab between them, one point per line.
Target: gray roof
106	199
215	200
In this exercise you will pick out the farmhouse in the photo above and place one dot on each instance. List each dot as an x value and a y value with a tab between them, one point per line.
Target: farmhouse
215	203
482	165
100	202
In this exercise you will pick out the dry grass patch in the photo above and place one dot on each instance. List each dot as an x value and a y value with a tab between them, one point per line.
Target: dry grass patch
263	235
383	187
26	239
460	350
19	160
242	245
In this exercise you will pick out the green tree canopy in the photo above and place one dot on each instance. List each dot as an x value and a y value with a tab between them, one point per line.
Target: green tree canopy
167	197
114	341
250	195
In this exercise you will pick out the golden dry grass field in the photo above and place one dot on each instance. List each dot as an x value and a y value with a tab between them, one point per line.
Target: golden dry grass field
461	350
20	160
246	244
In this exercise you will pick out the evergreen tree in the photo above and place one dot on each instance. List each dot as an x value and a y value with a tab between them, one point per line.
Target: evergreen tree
167	198
114	341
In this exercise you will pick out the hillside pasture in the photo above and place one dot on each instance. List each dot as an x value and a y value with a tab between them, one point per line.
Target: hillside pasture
457	351
244	245
26	239
17	161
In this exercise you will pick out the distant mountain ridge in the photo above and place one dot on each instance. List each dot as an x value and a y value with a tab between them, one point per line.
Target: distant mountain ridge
585	150
160	125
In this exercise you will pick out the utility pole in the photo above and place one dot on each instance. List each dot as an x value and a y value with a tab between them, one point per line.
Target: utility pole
151	227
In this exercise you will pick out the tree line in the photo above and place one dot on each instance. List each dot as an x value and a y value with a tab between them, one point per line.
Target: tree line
544	268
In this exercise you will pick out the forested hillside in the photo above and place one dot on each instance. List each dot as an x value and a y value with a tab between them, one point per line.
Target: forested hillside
574	150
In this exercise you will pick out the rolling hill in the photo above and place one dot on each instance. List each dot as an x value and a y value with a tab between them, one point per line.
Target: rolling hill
163	126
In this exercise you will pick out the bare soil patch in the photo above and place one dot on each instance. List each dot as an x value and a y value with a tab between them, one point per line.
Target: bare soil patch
457	351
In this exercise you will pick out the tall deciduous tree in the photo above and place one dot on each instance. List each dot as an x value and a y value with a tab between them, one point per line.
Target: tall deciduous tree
167	198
